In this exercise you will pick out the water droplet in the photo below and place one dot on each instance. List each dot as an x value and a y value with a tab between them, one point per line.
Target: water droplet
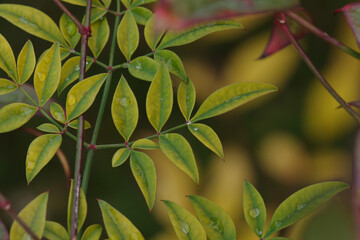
138	67
258	232
67	79
196	129
71	99
277	224
124	101
254	212
41	76
77	68
184	228
300	206
161	99
215	224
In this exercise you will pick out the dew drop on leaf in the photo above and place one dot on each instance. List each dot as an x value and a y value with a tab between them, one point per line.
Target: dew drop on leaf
41	76
124	101
254	212
300	206
184	228
214	224
196	129
71	99
77	68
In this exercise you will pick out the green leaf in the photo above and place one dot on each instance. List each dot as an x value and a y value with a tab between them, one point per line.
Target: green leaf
176	38
124	109
47	74
48	127
34	216
117	225
141	15
32	21
95	3
186	97
6	86
279	238
172	61
70	72
208	137
216	222
55	231
57	112
82	95
82	208
40	152
107	3
128	35
302	203
179	151
144	172
93	232
74	124
254	209
126	3
140	2
69	30
152	35
14	115
143	68
7	59
185	224
64	53
26	62
120	156
230	97
159	99
100	32
144	144
96	14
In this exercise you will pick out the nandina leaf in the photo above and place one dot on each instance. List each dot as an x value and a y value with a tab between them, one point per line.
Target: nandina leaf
26	62
352	15
216	222
186	97
69	30
126	3
32	21
302	203
254	209
141	2
144	144
279	38
120	156
185	224
144	172
48	127
172	61
6	86
107	3
100	32
40	152
7	59
82	208
57	112
34	216
128	35
179	151
141	15
55	231
152	34
143	68
15	115
95	3
75	123
93	232
97	14
117	225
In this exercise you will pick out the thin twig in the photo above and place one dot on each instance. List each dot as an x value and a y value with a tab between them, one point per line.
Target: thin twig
71	16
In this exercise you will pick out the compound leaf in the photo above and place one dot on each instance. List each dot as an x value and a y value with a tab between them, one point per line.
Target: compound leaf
55	231
120	156
128	35
6	86
69	30
93	232
143	68
172	61
100	32
14	115
7	58
26	62
82	208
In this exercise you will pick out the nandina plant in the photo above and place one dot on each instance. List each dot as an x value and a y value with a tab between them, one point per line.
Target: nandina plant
61	70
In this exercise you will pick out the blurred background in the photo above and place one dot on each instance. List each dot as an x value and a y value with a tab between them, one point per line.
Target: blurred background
281	142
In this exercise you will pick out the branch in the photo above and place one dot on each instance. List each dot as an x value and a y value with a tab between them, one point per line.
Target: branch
71	16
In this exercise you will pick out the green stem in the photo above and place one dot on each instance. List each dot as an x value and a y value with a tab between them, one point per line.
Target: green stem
93	59
28	96
125	64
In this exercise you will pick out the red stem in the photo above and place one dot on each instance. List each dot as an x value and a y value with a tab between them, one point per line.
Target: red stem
67	12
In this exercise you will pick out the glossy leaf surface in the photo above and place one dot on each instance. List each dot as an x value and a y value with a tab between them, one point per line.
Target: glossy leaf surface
143	68
117	225
302	203
128	35
48	127
82	208
6	86
186	97
93	232
144	144
7	58
55	231
352	14
26	62
152	35
144	172
69	30
14	115
100	32
185	224
141	15
57	112
40	152
230	97
216	222
120	156
179	151
173	62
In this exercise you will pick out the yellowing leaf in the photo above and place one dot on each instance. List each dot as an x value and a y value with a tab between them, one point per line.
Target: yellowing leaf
144	144
128	35
117	225
143	68
152	35
15	115
141	15
57	112
26	62
120	156
95	3
55	231
107	3
82	95
82	208
96	14
126	3
93	232
186	97
48	127
34	216
47	74
75	123
32	21
6	86
124	109
100	32
69	30
179	151
144	172
7	59
40	152
172	61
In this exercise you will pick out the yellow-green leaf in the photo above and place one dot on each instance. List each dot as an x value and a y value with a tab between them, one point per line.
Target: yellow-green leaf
179	151
7	58
302	203
141	15
144	144
126	3
128	35
70	72
82	208
34	216
230	97
93	232
186	97
57	112
152	35
69	30
144	172
120	156
279	238
107	3
82	95
159	99
15	115
40	152
176	38
124	109
254	209
55	231
143	68
74	124
185	224
6	86
117	225
95	3
47	74
26	62
208	137
100	32
64	53
216	222
48	127
32	21
96	14
140	2
172	61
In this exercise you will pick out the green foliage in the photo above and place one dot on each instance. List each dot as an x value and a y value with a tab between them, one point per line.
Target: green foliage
7	59
120	156
100	32
15	115
93	232
128	35
69	30
55	231
26	62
